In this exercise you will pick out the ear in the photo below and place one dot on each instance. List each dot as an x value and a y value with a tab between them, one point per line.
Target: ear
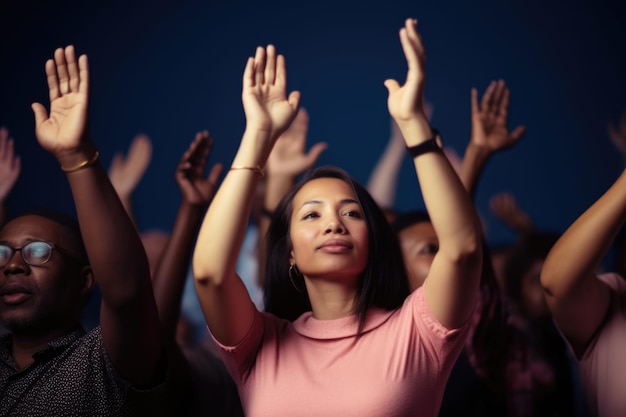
88	281
292	259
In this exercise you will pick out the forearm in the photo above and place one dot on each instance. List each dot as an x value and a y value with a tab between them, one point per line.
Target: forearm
171	273
224	226
275	189
382	184
472	166
580	250
115	250
450	208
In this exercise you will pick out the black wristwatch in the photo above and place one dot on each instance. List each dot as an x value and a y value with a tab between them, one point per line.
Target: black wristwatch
432	144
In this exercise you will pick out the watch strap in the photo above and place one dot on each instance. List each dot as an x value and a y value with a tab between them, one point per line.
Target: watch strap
431	144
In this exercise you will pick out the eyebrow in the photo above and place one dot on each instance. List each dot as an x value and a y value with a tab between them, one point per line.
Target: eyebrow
342	202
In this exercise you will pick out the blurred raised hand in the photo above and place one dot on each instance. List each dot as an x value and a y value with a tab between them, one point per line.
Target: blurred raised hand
489	118
506	209
125	172
10	167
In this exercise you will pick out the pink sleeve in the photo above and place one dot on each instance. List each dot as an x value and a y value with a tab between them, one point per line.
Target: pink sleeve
240	357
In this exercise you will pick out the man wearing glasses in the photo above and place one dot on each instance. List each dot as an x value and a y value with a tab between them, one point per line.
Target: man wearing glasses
49	366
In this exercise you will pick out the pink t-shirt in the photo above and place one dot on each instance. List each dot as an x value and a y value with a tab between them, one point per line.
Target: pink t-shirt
603	365
398	367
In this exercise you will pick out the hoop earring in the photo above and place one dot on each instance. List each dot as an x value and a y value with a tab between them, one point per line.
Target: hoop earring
293	269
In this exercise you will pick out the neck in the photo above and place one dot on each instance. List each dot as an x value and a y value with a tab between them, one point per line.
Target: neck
330	300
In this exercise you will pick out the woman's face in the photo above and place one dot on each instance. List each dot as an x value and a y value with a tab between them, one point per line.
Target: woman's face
533	299
328	232
419	245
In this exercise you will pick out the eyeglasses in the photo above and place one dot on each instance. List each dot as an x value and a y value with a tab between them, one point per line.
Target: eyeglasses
34	253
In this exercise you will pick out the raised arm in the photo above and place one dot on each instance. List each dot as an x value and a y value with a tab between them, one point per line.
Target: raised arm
383	181
10	166
126	172
287	160
489	132
129	320
227	307
197	191
577	299
451	287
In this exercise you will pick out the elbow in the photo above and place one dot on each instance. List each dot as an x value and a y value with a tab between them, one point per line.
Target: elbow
467	254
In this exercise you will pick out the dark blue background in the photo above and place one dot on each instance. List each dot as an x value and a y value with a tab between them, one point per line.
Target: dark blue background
172	69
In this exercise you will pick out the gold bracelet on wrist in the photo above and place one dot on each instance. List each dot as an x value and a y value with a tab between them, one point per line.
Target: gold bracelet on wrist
256	169
83	164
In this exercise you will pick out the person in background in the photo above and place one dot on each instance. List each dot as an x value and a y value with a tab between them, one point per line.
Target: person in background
48	364
208	386
589	308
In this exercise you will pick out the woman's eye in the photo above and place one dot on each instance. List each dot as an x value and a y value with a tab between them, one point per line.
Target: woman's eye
310	215
429	249
352	213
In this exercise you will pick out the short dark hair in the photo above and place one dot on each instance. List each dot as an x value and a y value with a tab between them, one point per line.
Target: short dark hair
384	282
531	248
68	222
408	219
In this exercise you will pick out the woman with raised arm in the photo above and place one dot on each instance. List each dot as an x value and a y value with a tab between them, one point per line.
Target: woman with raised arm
360	345
590	308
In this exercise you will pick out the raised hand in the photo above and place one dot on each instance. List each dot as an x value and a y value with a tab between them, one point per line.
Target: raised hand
505	208
126	172
10	164
197	189
289	156
267	107
617	134
64	130
405	102
489	119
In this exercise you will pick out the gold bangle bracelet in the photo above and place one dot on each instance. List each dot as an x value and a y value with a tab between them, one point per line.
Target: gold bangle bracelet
83	164
256	169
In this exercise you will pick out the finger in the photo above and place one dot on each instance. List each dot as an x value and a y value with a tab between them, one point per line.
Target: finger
53	81
116	163
72	68
4	133
410	53
270	67
9	150
294	99
83	74
474	100
300	124
40	113
415	38
4	145
314	153
214	173
391	85
62	72
498	96
503	106
281	72
248	73
140	147
485	103
259	66
518	132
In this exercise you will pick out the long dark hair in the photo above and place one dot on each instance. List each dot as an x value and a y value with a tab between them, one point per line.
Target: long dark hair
384	282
